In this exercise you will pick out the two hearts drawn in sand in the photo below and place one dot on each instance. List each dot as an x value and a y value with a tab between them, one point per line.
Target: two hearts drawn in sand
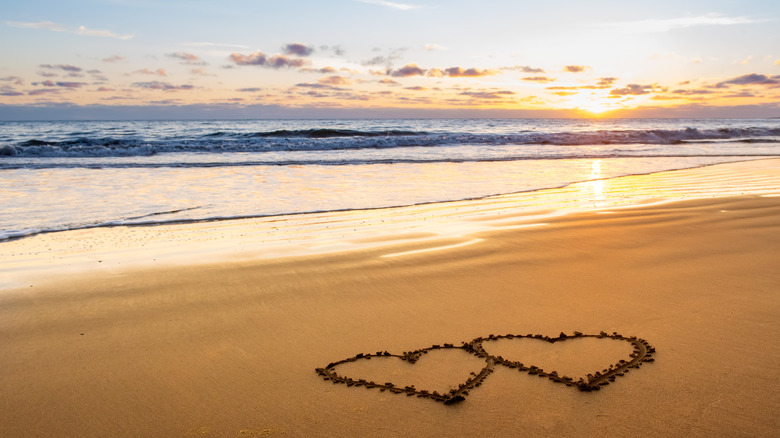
642	353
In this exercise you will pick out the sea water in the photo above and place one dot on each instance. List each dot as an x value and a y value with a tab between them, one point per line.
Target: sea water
62	175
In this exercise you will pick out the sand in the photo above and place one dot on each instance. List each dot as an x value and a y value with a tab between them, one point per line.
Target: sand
228	346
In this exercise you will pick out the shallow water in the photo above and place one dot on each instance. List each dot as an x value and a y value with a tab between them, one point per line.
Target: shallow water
70	175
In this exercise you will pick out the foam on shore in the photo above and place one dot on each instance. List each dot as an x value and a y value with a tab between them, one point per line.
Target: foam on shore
108	249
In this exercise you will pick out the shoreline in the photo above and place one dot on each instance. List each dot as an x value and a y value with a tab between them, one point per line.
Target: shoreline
109	249
281	216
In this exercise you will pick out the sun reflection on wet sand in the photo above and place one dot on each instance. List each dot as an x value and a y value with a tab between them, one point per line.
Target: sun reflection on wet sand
429	225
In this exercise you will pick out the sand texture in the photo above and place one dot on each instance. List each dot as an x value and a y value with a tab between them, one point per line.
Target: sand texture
242	347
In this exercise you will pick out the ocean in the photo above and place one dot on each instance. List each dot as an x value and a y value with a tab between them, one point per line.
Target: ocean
66	175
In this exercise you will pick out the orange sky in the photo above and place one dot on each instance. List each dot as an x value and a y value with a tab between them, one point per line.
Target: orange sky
306	58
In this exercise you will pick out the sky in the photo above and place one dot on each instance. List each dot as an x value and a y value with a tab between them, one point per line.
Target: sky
69	59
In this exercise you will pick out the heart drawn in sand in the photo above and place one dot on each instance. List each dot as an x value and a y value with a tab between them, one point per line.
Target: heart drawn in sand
594	380
401	367
489	348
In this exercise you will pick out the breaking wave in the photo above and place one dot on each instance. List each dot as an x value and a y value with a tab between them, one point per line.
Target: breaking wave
346	139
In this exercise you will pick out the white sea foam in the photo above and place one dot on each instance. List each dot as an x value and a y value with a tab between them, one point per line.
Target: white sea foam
70	175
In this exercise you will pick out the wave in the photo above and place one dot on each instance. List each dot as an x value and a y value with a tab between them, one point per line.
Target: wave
345	139
365	161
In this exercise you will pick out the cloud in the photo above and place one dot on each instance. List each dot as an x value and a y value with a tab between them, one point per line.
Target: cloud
389	82
250	90
318	86
15	79
407	70
575	68
542	79
186	58
632	90
492	95
10	92
256	58
334	80
777	62
114	58
260	59
750	79
323	70
298	49
692	92
64	67
524	69
457	72
42	91
200	72
417	88
164	86
279	61
740	95
652	26
337	50
606	82
105	89
70	84
433	47
376	60
102	33
146	71
47	25
601	84
393	5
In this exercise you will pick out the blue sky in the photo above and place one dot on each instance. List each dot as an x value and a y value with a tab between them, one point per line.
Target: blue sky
315	58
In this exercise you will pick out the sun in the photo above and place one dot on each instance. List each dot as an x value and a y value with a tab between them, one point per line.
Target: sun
591	103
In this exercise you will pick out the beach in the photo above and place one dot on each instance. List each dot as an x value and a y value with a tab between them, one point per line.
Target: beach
217	328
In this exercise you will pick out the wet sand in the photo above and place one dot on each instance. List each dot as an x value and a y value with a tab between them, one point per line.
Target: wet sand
229	346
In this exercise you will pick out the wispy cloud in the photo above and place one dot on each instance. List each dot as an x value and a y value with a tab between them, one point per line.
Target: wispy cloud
750	79
488	94
114	58
47	25
525	69
63	67
50	83
102	33
334	80
146	71
15	79
82	30
652	26
635	90
575	68
186	58
542	79
393	5
433	47
164	86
